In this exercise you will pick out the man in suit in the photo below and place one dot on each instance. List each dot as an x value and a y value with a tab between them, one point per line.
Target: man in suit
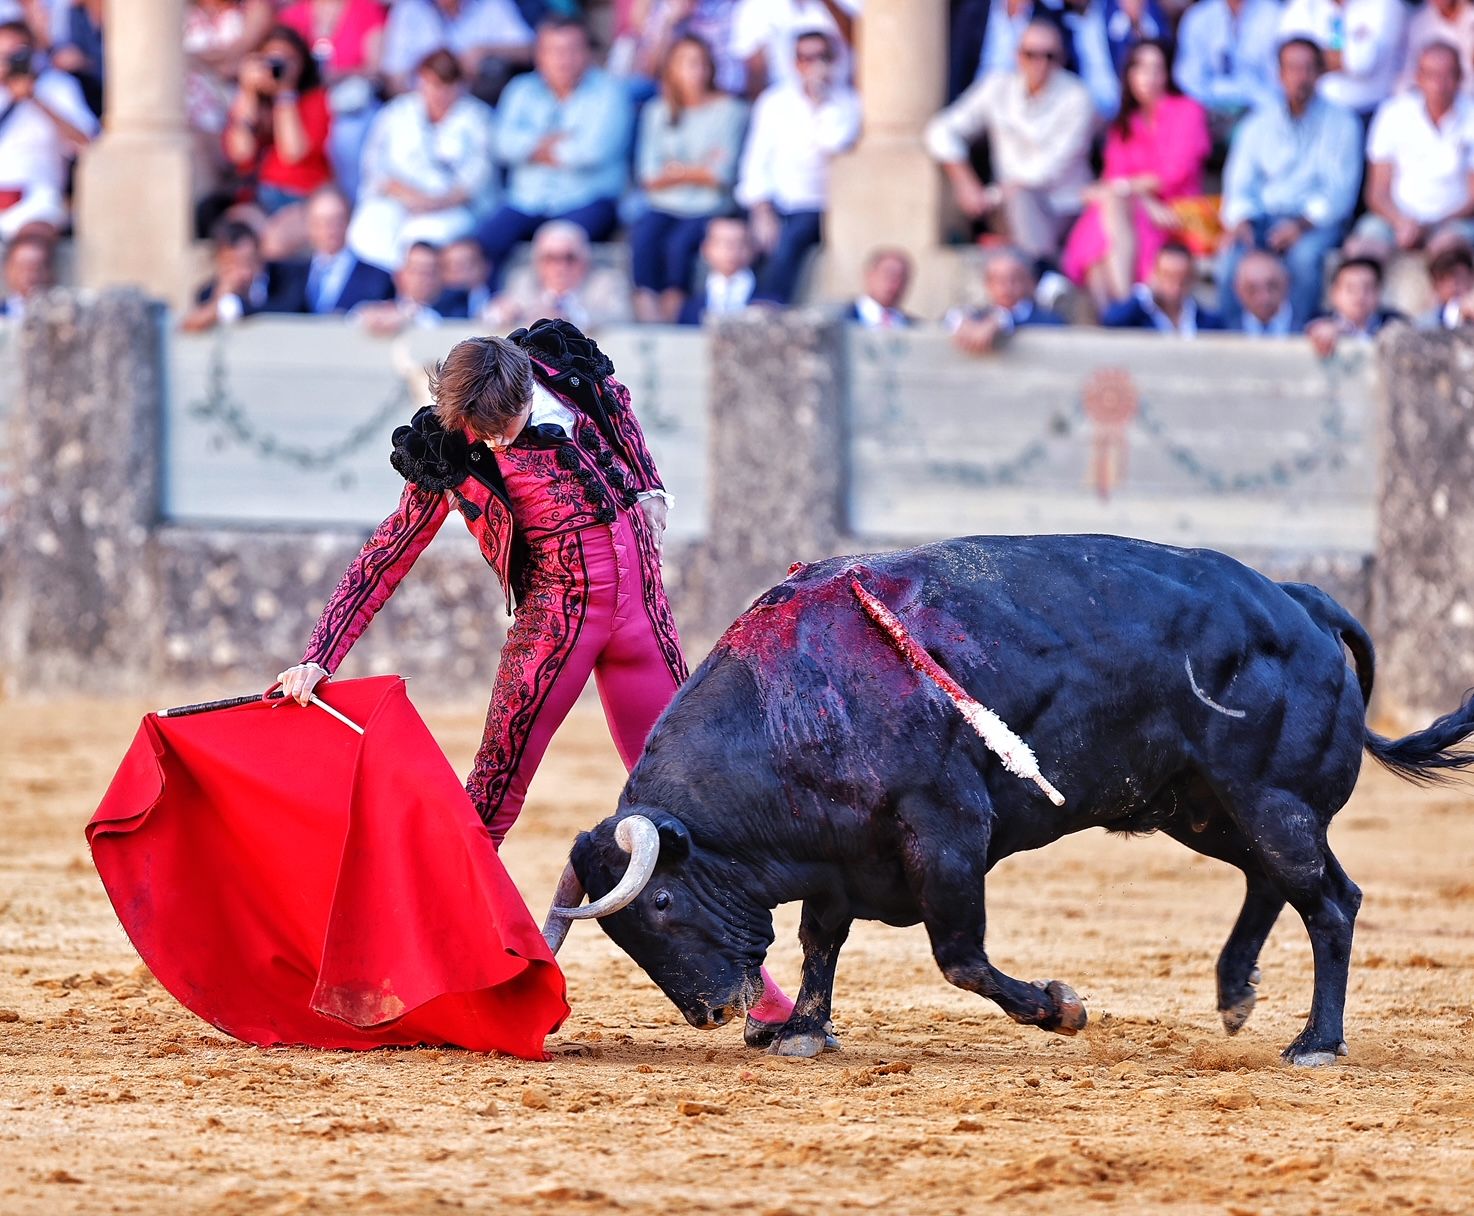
1356	307
29	270
1261	283
242	284
332	281
1165	301
887	275
1009	281
729	282
463	274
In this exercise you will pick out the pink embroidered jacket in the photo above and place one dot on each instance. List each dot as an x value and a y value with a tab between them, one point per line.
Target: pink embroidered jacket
444	468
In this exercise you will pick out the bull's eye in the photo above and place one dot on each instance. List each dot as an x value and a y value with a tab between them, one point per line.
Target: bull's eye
661	900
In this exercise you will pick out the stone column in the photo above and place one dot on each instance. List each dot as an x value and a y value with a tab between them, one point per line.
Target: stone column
79	601
776	483
888	191
134	211
1423	574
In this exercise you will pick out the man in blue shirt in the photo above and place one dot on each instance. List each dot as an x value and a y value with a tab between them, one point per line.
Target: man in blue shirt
564	133
1290	182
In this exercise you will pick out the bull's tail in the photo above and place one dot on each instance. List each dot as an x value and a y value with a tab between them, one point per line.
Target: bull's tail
1425	757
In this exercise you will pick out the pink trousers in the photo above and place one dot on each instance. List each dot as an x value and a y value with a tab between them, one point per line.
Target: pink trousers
594	605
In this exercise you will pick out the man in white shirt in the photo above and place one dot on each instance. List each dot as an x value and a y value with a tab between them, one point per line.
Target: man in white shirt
44	120
477	32
1039	121
1362	40
1262	285
29	270
784	176
729	283
1450	21
1420	161
765	32
1226	55
562	283
887	275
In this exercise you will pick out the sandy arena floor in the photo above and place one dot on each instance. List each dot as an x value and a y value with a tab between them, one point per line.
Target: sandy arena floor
116	1100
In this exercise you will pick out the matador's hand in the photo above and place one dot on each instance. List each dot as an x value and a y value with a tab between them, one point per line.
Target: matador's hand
657	514
298	682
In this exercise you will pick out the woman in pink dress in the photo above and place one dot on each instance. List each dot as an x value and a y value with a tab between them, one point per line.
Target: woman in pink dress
1154	154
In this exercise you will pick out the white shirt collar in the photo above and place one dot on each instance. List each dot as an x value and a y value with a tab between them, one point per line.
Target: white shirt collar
1187	328
1277	324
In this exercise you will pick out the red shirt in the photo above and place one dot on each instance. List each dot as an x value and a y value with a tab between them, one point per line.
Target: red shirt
313	170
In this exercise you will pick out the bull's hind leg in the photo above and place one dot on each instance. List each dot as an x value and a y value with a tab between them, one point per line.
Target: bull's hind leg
1238	963
1289	841
946	864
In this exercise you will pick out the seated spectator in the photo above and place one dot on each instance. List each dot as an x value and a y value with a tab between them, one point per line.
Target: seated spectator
1154	155
1262	286
887	275
985	36
1128	22
463	274
46	120
1165	301
347	38
30	269
563	131
1356	307
1452	273
1362	41
1290	183
218	34
332	280
1226	56
77	47
1450	21
561	284
416	288
686	155
1038	119
765	35
242	284
1085	23
1008	278
428	171
277	137
648	29
729	284
489	38
784	179
1420	162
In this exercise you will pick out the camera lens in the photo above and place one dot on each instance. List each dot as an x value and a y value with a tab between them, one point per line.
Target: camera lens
278	68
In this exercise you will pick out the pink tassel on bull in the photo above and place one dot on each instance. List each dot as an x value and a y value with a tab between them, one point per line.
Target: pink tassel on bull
1017	756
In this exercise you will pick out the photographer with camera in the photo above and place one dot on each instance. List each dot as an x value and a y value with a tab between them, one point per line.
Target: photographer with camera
277	136
44	119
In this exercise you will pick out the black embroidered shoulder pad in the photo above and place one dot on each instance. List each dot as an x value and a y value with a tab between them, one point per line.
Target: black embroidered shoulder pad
428	455
562	345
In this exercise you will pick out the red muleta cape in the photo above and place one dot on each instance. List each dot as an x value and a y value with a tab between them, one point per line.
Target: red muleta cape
294	883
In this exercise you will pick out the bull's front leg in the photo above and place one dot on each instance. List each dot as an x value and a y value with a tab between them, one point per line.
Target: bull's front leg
822	930
946	865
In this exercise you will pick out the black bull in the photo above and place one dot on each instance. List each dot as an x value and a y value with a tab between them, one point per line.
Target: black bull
1162	690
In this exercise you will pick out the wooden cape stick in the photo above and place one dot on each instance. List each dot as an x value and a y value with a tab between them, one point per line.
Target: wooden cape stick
1017	756
204	707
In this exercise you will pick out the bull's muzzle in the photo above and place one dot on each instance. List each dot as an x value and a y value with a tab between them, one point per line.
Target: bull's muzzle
638	837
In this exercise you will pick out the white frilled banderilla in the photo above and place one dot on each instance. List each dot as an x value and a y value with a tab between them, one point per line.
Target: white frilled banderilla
1017	756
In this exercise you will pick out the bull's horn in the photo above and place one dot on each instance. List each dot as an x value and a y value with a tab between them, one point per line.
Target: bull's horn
638	837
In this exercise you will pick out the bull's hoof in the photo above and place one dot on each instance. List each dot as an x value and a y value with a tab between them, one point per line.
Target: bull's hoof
777	1038
1236	1012
1303	1056
760	1035
1069	1016
800	1045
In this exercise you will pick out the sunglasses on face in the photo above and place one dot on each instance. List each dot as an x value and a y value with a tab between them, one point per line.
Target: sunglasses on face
815	57
559	255
1033	53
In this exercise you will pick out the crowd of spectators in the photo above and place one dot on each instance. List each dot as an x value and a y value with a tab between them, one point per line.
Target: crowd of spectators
1110	152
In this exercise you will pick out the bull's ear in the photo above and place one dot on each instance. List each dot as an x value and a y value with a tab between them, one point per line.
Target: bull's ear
675	840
